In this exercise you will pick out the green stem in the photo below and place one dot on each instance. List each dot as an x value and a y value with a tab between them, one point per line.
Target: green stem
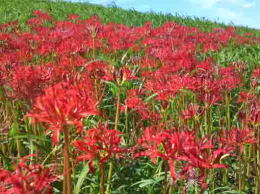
257	162
211	172
227	110
67	188
110	172
102	179
18	148
248	156
117	108
240	181
210	119
93	35
196	189
171	190
225	176
165	181
256	171
126	122
206	120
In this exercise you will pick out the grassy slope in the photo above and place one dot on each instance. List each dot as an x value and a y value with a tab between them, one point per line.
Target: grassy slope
21	10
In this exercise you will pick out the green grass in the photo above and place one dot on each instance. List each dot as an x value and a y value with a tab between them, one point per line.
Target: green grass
21	10
138	179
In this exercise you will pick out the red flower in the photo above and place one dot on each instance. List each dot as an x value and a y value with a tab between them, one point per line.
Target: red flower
255	112
246	97
64	104
169	146
229	78
190	111
73	16
137	104
99	143
28	82
123	74
26	179
42	15
99	70
236	138
256	73
173	146
255	78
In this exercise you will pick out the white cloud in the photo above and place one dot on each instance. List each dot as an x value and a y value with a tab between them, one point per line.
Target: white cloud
110	1
207	4
249	5
100	1
238	18
226	14
105	2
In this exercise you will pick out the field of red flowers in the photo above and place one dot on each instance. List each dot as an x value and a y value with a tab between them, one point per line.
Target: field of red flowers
88	107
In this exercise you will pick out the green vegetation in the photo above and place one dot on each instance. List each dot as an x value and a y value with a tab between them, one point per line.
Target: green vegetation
21	10
194	95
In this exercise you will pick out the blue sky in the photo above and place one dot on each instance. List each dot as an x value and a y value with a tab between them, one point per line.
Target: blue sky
239	12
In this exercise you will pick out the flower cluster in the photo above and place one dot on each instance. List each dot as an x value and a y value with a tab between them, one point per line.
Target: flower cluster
113	91
26	179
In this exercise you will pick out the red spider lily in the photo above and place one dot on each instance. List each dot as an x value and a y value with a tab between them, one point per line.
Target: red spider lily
253	105
64	104
163	145
236	138
27	179
255	78
35	22
229	78
99	70
42	15
29	82
134	102
204	156
73	16
191	111
127	74
256	73
148	144
99	143
201	155
165	85
13	25
123	74
208	90
255	112
179	146
138	105
246	97
204	67
146	62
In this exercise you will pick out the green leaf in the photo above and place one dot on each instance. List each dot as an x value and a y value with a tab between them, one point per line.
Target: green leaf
81	178
14	130
29	136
